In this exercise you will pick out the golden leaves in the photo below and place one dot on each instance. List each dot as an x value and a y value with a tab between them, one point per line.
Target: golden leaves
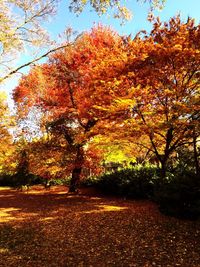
144	86
7	124
122	104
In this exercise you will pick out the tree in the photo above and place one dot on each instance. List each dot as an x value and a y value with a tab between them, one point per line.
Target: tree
147	87
116	147
21	29
6	124
50	157
66	87
163	74
120	10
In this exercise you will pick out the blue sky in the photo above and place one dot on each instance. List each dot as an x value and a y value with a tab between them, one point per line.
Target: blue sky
86	20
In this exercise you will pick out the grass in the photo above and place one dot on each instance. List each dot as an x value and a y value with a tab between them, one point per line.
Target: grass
50	228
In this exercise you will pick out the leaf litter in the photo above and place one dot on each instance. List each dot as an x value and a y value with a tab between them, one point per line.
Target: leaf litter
51	228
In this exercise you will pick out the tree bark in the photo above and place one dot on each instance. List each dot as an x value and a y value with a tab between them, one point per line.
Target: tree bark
163	169
196	153
76	172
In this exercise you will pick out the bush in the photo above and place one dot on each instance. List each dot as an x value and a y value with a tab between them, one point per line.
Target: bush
91	181
134	183
179	195
15	180
6	180
57	181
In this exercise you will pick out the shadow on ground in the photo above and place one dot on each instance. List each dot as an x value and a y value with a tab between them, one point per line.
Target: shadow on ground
51	228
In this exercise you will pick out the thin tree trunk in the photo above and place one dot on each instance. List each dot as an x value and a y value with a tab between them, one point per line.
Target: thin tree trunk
163	169
195	154
76	172
75	179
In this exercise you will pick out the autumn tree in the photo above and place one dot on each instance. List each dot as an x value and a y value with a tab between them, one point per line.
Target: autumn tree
66	88
117	147
6	140
163	75
21	30
117	6
50	157
21	27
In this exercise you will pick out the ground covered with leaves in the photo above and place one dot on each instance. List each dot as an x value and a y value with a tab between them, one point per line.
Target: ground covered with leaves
50	228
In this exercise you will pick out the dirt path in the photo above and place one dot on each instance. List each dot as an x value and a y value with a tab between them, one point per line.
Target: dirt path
50	228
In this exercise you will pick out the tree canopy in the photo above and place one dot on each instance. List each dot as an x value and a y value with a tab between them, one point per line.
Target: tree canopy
21	29
119	7
143	87
163	74
64	89
6	138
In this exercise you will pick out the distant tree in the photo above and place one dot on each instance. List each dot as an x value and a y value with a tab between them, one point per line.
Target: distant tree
6	139
50	157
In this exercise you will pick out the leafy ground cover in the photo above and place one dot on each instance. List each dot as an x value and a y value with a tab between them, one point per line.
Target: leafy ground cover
50	228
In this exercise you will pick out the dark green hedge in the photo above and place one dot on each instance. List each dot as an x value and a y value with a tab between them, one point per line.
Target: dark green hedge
17	180
131	183
177	195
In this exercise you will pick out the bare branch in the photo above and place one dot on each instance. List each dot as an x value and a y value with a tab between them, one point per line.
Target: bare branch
31	62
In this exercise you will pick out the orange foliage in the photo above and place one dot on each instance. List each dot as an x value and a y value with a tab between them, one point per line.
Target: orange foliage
67	87
163	70
146	86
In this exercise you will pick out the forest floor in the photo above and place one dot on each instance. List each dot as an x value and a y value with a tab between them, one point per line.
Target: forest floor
42	228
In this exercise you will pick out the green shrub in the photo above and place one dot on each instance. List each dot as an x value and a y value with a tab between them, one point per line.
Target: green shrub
90	181
179	195
48	182
15	180
60	181
6	180
132	183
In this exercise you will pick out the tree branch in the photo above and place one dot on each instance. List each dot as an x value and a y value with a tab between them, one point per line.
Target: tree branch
32	61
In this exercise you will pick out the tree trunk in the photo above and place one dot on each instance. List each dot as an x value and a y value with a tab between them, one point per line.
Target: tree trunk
76	172
163	169
196	154
75	179
164	160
